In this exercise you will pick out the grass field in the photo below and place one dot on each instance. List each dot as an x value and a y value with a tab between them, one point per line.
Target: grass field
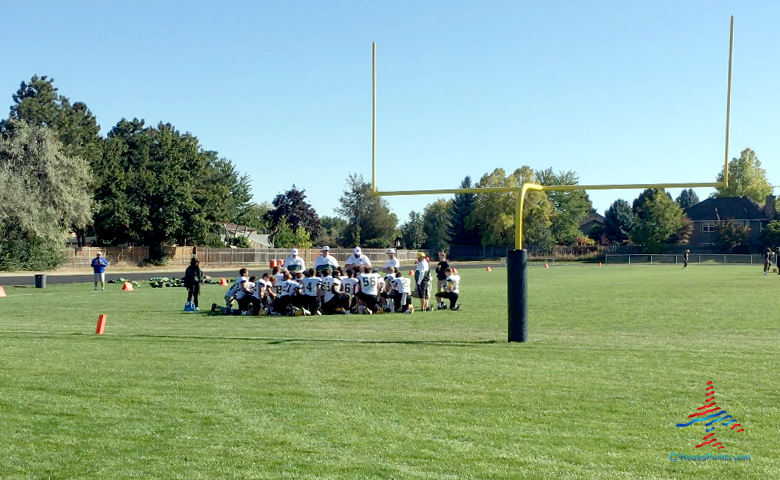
617	356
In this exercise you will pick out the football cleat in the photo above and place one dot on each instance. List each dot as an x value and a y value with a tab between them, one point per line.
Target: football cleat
456	308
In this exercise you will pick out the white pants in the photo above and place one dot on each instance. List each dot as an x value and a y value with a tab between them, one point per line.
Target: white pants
100	277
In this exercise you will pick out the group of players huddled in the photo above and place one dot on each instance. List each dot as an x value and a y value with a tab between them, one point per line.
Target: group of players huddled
326	288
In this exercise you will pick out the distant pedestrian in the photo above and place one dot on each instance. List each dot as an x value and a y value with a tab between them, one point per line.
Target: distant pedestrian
193	277
422	277
99	265
441	276
685	259
767	261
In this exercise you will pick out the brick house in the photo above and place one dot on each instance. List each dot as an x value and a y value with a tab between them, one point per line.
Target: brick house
742	210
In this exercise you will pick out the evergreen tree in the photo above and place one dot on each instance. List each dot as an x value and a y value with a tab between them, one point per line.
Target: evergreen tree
435	225
413	231
687	198
619	220
461	207
293	207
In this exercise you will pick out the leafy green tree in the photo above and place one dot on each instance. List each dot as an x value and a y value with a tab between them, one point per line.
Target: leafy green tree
461	207
746	178
38	103
682	235
413	231
43	193
770	235
494	213
254	215
729	236
661	219
332	231
161	187
293	207
619	220
569	208
596	232
369	220
687	198
287	237
647	194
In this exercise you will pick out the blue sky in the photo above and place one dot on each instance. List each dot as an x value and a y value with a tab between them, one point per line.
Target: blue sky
620	92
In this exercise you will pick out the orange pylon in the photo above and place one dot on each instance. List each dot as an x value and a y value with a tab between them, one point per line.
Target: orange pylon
127	286
488	269
546	265
101	326
2	292
411	272
223	282
454	270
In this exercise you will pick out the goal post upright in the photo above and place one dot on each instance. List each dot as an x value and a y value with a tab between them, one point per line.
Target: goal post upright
517	259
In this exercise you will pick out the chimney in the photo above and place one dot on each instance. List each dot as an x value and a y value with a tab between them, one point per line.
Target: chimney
770	209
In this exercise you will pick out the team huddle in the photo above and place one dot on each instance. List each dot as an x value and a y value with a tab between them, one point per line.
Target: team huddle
329	289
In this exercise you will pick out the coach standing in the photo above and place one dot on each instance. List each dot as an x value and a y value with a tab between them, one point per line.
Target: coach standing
294	263
99	265
422	277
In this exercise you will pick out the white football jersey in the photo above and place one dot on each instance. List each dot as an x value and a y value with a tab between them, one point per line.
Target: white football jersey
452	283
236	287
290	287
310	286
348	285
369	283
249	286
260	287
403	285
328	285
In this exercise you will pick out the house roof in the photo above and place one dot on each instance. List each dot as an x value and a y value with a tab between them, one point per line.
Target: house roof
593	217
236	229
738	208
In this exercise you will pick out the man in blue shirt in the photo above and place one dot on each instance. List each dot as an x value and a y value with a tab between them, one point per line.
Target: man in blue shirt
99	265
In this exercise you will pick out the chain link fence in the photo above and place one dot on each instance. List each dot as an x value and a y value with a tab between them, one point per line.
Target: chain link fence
712	259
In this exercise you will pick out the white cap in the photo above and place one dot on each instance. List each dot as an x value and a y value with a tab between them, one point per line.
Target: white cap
357	250
391	251
325	248
294	251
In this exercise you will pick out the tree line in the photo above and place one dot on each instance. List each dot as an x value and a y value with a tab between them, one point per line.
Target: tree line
154	185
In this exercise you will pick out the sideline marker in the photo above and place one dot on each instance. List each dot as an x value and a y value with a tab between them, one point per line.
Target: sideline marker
127	286
2	292
411	272
488	269
101	326
546	265
223	282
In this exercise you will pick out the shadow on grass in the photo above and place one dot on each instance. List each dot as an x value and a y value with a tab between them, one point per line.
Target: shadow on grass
283	341
266	340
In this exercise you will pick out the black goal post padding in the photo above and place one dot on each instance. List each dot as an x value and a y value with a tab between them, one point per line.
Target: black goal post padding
517	295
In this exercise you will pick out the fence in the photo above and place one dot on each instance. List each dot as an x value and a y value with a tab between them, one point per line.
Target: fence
212	257
715	259
476	252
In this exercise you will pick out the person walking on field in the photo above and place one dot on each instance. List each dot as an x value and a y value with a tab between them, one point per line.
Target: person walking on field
99	265
193	277
685	259
767	261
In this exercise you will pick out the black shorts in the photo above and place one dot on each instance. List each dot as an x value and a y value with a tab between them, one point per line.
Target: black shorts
424	290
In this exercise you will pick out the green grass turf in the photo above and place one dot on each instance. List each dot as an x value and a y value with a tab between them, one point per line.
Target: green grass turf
617	356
